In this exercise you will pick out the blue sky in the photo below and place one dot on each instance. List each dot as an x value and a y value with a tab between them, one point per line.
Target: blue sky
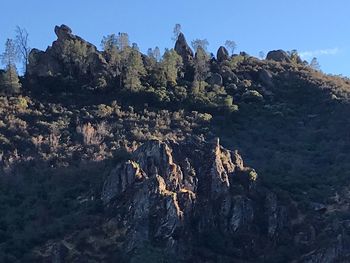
318	28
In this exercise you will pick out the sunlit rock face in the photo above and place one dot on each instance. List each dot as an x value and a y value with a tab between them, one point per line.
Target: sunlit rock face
173	192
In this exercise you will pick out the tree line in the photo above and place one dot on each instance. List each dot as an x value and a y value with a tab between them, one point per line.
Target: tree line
125	60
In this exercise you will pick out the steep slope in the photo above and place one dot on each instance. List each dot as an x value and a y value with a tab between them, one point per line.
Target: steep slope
93	171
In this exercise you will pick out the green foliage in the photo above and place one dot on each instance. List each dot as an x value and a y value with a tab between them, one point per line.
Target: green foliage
22	103
9	81
75	55
134	71
40	205
10	55
171	66
201	64
235	60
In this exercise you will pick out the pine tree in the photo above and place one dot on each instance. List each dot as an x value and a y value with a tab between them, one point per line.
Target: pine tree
10	81
201	64
134	71
171	65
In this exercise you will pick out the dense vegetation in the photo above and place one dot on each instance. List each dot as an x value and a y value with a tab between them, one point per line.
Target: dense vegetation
61	134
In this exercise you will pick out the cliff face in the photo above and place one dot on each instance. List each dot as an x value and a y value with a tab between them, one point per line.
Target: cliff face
182	197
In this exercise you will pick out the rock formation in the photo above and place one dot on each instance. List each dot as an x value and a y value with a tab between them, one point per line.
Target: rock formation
222	54
278	55
69	55
183	49
173	193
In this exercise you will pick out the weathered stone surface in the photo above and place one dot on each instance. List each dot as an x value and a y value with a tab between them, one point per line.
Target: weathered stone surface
63	32
155	158
242	213
121	177
59	59
228	75
266	77
222	54
216	79
278	55
191	188
183	49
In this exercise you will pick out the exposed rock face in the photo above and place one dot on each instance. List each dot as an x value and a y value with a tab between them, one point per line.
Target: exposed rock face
121	178
69	55
222	54
63	32
173	193
183	49
266	78
228	75
216	79
279	56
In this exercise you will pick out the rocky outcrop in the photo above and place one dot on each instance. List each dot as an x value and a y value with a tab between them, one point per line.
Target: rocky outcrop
228	75
183	49
266	77
222	54
216	79
121	178
69	55
279	56
173	193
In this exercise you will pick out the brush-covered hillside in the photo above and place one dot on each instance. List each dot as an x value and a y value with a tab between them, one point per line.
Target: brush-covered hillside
116	156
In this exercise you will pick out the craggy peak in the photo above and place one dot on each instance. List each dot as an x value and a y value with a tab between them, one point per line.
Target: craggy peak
108	154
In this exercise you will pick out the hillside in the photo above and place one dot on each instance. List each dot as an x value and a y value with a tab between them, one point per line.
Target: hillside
118	156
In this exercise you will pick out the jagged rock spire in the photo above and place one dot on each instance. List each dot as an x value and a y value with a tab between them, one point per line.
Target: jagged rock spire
183	49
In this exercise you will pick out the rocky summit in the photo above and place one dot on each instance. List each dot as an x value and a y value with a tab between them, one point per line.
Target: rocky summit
54	61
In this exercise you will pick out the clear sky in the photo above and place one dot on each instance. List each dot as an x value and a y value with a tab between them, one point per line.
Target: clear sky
318	28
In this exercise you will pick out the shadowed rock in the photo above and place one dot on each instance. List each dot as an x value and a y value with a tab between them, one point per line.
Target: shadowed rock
183	49
190	187
69	55
279	56
222	54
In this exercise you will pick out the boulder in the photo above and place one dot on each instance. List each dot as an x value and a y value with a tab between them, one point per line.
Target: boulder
222	54
266	77
216	79
228	75
279	56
